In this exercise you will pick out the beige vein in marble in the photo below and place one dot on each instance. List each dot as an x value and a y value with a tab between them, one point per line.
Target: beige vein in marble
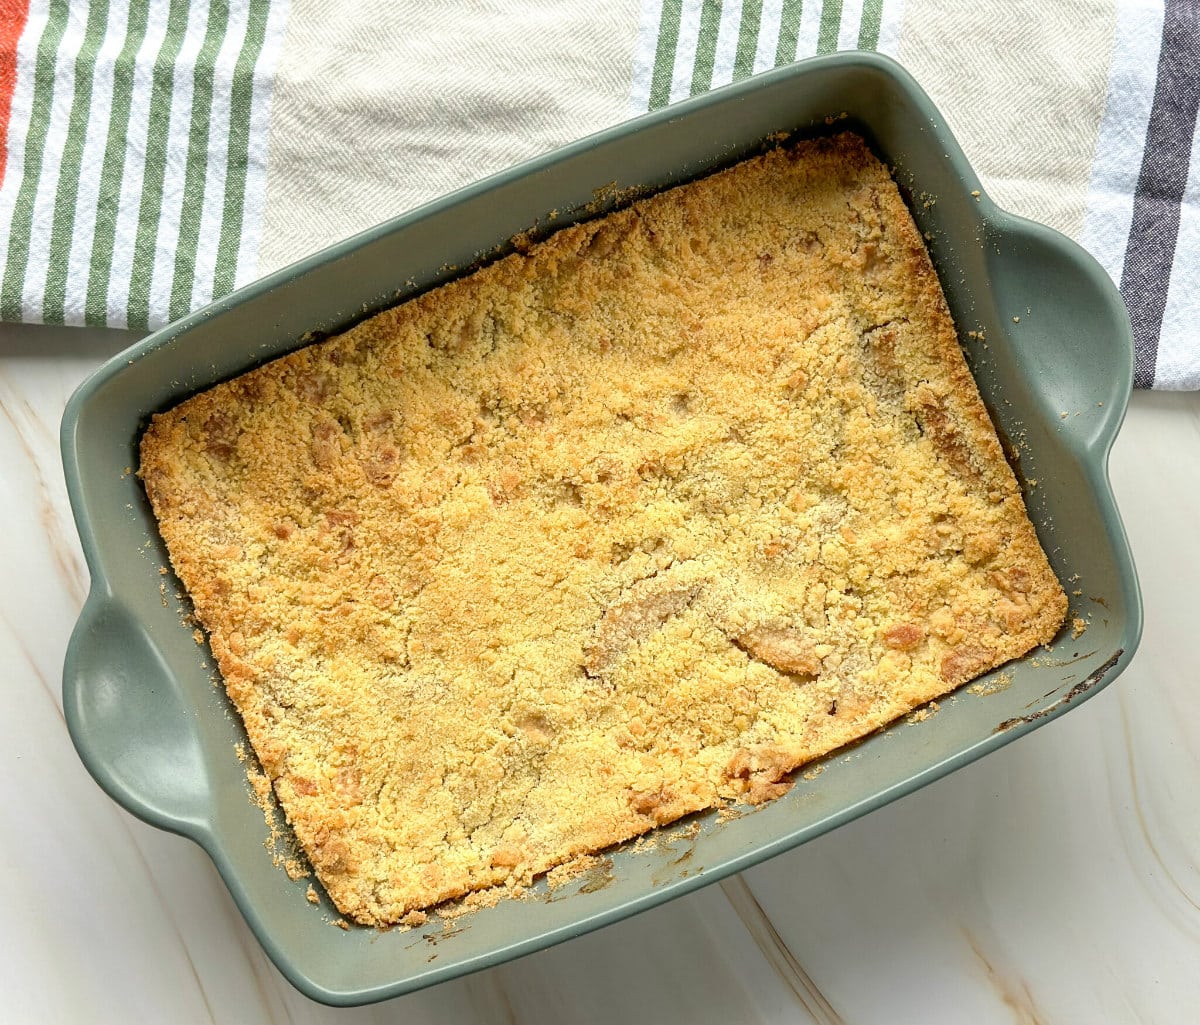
761	929
1147	835
267	979
491	998
19	642
1016	996
170	917
24	422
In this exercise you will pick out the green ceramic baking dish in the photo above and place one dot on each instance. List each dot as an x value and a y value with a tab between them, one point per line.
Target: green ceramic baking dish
160	738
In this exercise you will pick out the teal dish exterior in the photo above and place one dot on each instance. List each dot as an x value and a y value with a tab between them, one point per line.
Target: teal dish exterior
159	736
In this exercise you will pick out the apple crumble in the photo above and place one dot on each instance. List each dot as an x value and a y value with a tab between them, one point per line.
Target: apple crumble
625	526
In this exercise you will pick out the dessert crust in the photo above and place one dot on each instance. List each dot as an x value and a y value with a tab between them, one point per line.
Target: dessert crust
616	529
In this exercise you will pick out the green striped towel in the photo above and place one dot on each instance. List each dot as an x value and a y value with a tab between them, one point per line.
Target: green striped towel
135	156
159	153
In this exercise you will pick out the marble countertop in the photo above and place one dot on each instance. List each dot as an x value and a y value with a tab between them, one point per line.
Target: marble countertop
1057	880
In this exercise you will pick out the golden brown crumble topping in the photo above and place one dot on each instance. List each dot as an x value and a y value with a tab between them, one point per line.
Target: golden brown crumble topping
613	530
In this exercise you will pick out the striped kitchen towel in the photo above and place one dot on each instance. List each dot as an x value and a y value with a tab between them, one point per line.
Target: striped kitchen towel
156	154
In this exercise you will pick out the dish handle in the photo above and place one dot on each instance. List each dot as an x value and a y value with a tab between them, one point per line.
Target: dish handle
1061	311
132	727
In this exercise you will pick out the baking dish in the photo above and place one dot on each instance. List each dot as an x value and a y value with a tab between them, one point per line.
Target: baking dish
1046	335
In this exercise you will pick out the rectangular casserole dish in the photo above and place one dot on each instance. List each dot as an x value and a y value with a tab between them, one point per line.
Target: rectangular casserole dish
1046	335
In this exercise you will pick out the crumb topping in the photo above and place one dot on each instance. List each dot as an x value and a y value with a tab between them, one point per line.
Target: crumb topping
621	527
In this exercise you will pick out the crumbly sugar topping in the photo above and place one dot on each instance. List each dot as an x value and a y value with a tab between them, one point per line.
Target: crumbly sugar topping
617	529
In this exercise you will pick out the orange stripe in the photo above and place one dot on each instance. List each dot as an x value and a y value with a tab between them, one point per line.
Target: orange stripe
12	22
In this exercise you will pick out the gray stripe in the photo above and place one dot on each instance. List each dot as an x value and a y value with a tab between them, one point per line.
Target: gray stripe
1154	230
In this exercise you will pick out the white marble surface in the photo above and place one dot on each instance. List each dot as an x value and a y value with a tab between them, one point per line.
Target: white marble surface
1057	880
